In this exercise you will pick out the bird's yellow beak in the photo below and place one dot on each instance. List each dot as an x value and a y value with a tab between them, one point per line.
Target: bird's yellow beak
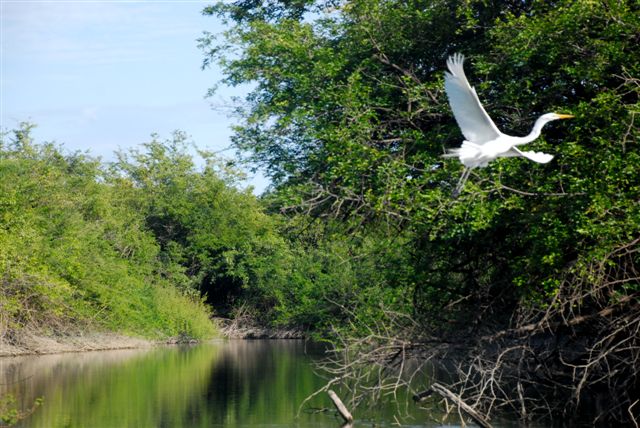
564	116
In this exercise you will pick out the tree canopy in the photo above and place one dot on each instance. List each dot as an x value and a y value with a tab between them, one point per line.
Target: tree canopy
349	118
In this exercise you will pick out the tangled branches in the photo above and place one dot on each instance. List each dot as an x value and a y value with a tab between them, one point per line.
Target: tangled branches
575	357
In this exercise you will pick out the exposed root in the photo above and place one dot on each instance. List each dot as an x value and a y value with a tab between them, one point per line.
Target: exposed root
243	325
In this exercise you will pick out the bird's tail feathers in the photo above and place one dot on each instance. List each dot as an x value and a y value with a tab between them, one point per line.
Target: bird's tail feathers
467	149
451	153
470	154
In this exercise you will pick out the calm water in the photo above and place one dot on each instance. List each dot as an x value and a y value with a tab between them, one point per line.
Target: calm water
220	384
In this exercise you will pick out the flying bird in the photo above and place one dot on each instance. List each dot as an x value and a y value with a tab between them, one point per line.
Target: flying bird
483	140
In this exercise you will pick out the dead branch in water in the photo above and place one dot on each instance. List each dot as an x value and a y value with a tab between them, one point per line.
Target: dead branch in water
481	420
579	353
342	409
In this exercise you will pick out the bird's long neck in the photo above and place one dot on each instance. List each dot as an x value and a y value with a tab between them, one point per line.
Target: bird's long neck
535	132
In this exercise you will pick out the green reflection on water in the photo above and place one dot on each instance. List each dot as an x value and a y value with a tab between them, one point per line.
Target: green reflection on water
229	384
219	384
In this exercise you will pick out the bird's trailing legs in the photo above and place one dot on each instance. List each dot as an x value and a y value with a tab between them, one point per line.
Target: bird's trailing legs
461	182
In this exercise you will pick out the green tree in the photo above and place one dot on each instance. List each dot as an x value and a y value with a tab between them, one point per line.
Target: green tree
218	238
349	117
72	256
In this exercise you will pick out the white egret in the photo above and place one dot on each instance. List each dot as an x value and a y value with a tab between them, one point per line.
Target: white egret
483	140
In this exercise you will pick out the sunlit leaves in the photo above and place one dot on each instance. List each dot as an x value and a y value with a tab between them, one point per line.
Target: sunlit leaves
349	116
75	251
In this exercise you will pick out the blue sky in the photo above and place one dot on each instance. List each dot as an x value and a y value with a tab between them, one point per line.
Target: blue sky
105	75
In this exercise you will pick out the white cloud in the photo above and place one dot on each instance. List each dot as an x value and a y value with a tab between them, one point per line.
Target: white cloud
90	113
90	33
105	74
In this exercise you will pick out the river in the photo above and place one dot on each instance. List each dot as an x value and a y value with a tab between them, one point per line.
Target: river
236	383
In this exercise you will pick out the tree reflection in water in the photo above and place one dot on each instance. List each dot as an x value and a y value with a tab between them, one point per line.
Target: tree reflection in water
235	383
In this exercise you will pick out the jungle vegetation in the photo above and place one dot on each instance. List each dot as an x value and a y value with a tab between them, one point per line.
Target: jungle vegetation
527	284
133	246
531	275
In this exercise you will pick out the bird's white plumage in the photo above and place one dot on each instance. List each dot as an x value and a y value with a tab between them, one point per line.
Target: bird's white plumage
473	120
484	142
534	156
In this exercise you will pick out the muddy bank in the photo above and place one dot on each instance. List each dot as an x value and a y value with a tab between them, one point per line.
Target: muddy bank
34	343
38	343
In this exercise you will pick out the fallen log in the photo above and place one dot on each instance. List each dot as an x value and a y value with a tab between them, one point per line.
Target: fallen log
342	409
480	419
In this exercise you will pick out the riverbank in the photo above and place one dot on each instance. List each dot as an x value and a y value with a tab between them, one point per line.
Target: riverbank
33	343
241	328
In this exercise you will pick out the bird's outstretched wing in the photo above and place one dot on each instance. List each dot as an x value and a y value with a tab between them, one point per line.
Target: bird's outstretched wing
473	120
534	156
